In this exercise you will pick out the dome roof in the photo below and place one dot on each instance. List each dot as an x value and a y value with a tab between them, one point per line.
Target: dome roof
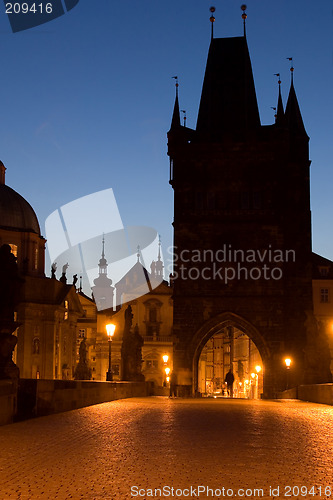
15	212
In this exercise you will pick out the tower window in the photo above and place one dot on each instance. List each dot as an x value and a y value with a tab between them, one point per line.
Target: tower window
324	295
36	258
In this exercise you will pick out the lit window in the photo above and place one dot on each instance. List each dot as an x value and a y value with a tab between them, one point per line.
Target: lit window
324	295
36	259
66	309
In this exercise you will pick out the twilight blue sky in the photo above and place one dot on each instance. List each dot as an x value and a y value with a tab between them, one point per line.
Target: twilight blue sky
87	98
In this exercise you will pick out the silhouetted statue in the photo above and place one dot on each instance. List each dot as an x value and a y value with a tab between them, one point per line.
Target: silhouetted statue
53	270
75	279
63	278
10	284
82	370
131	355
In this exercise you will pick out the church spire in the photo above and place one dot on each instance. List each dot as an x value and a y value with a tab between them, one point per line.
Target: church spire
293	116
279	112
175	122
102	289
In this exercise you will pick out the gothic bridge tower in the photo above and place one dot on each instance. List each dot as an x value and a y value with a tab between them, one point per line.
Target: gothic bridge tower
242	225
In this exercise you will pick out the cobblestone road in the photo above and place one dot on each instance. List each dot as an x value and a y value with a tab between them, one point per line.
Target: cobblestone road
103	451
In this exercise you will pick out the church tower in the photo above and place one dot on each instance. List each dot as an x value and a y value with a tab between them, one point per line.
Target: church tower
103	290
242	225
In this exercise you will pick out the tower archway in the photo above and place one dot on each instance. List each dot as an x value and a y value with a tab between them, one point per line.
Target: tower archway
229	341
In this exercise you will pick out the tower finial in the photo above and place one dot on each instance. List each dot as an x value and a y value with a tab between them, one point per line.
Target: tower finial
291	68
244	17
103	242
138	254
212	19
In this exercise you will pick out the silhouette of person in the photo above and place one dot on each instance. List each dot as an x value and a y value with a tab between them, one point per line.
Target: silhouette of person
229	379
173	385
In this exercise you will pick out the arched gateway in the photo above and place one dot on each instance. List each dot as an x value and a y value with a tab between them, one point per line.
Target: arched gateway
227	325
242	226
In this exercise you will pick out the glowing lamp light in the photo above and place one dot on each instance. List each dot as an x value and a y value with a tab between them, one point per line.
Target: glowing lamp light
168	379
167	370
110	328
258	368
165	358
253	375
287	362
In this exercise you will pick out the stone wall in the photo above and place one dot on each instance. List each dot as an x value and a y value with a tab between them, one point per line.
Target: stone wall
44	397
8	397
315	393
320	393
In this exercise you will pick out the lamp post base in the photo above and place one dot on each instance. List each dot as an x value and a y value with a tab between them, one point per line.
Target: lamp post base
109	377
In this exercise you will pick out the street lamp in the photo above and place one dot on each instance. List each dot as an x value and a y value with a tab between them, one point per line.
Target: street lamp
165	358
287	363
110	328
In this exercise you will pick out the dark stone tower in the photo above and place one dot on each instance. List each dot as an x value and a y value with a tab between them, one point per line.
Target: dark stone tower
242	225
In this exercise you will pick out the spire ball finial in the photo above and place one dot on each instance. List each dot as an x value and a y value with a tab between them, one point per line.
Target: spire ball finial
244	17
212	19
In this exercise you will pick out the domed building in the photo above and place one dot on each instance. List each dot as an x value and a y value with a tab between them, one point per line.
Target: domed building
48	308
20	229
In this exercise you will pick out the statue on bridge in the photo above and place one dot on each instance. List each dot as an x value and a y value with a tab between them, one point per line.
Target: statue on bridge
82	370
131	350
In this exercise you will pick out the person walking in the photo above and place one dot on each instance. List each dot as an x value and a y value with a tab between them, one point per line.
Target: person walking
229	379
173	385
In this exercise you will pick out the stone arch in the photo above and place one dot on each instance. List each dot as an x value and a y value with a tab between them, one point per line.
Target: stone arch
213	326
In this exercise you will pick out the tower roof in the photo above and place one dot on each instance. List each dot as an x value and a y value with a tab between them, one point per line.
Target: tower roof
175	122
15	212
280	119
293	115
228	100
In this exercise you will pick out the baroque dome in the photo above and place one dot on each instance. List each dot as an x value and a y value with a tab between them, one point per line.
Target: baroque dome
15	212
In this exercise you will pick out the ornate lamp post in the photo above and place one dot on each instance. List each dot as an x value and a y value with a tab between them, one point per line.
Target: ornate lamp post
110	328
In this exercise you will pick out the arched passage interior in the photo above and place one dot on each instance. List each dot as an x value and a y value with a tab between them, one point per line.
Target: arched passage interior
229	342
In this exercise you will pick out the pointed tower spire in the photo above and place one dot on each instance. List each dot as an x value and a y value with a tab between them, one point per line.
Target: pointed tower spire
175	122
228	105
102	289
279	117
293	116
159	264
